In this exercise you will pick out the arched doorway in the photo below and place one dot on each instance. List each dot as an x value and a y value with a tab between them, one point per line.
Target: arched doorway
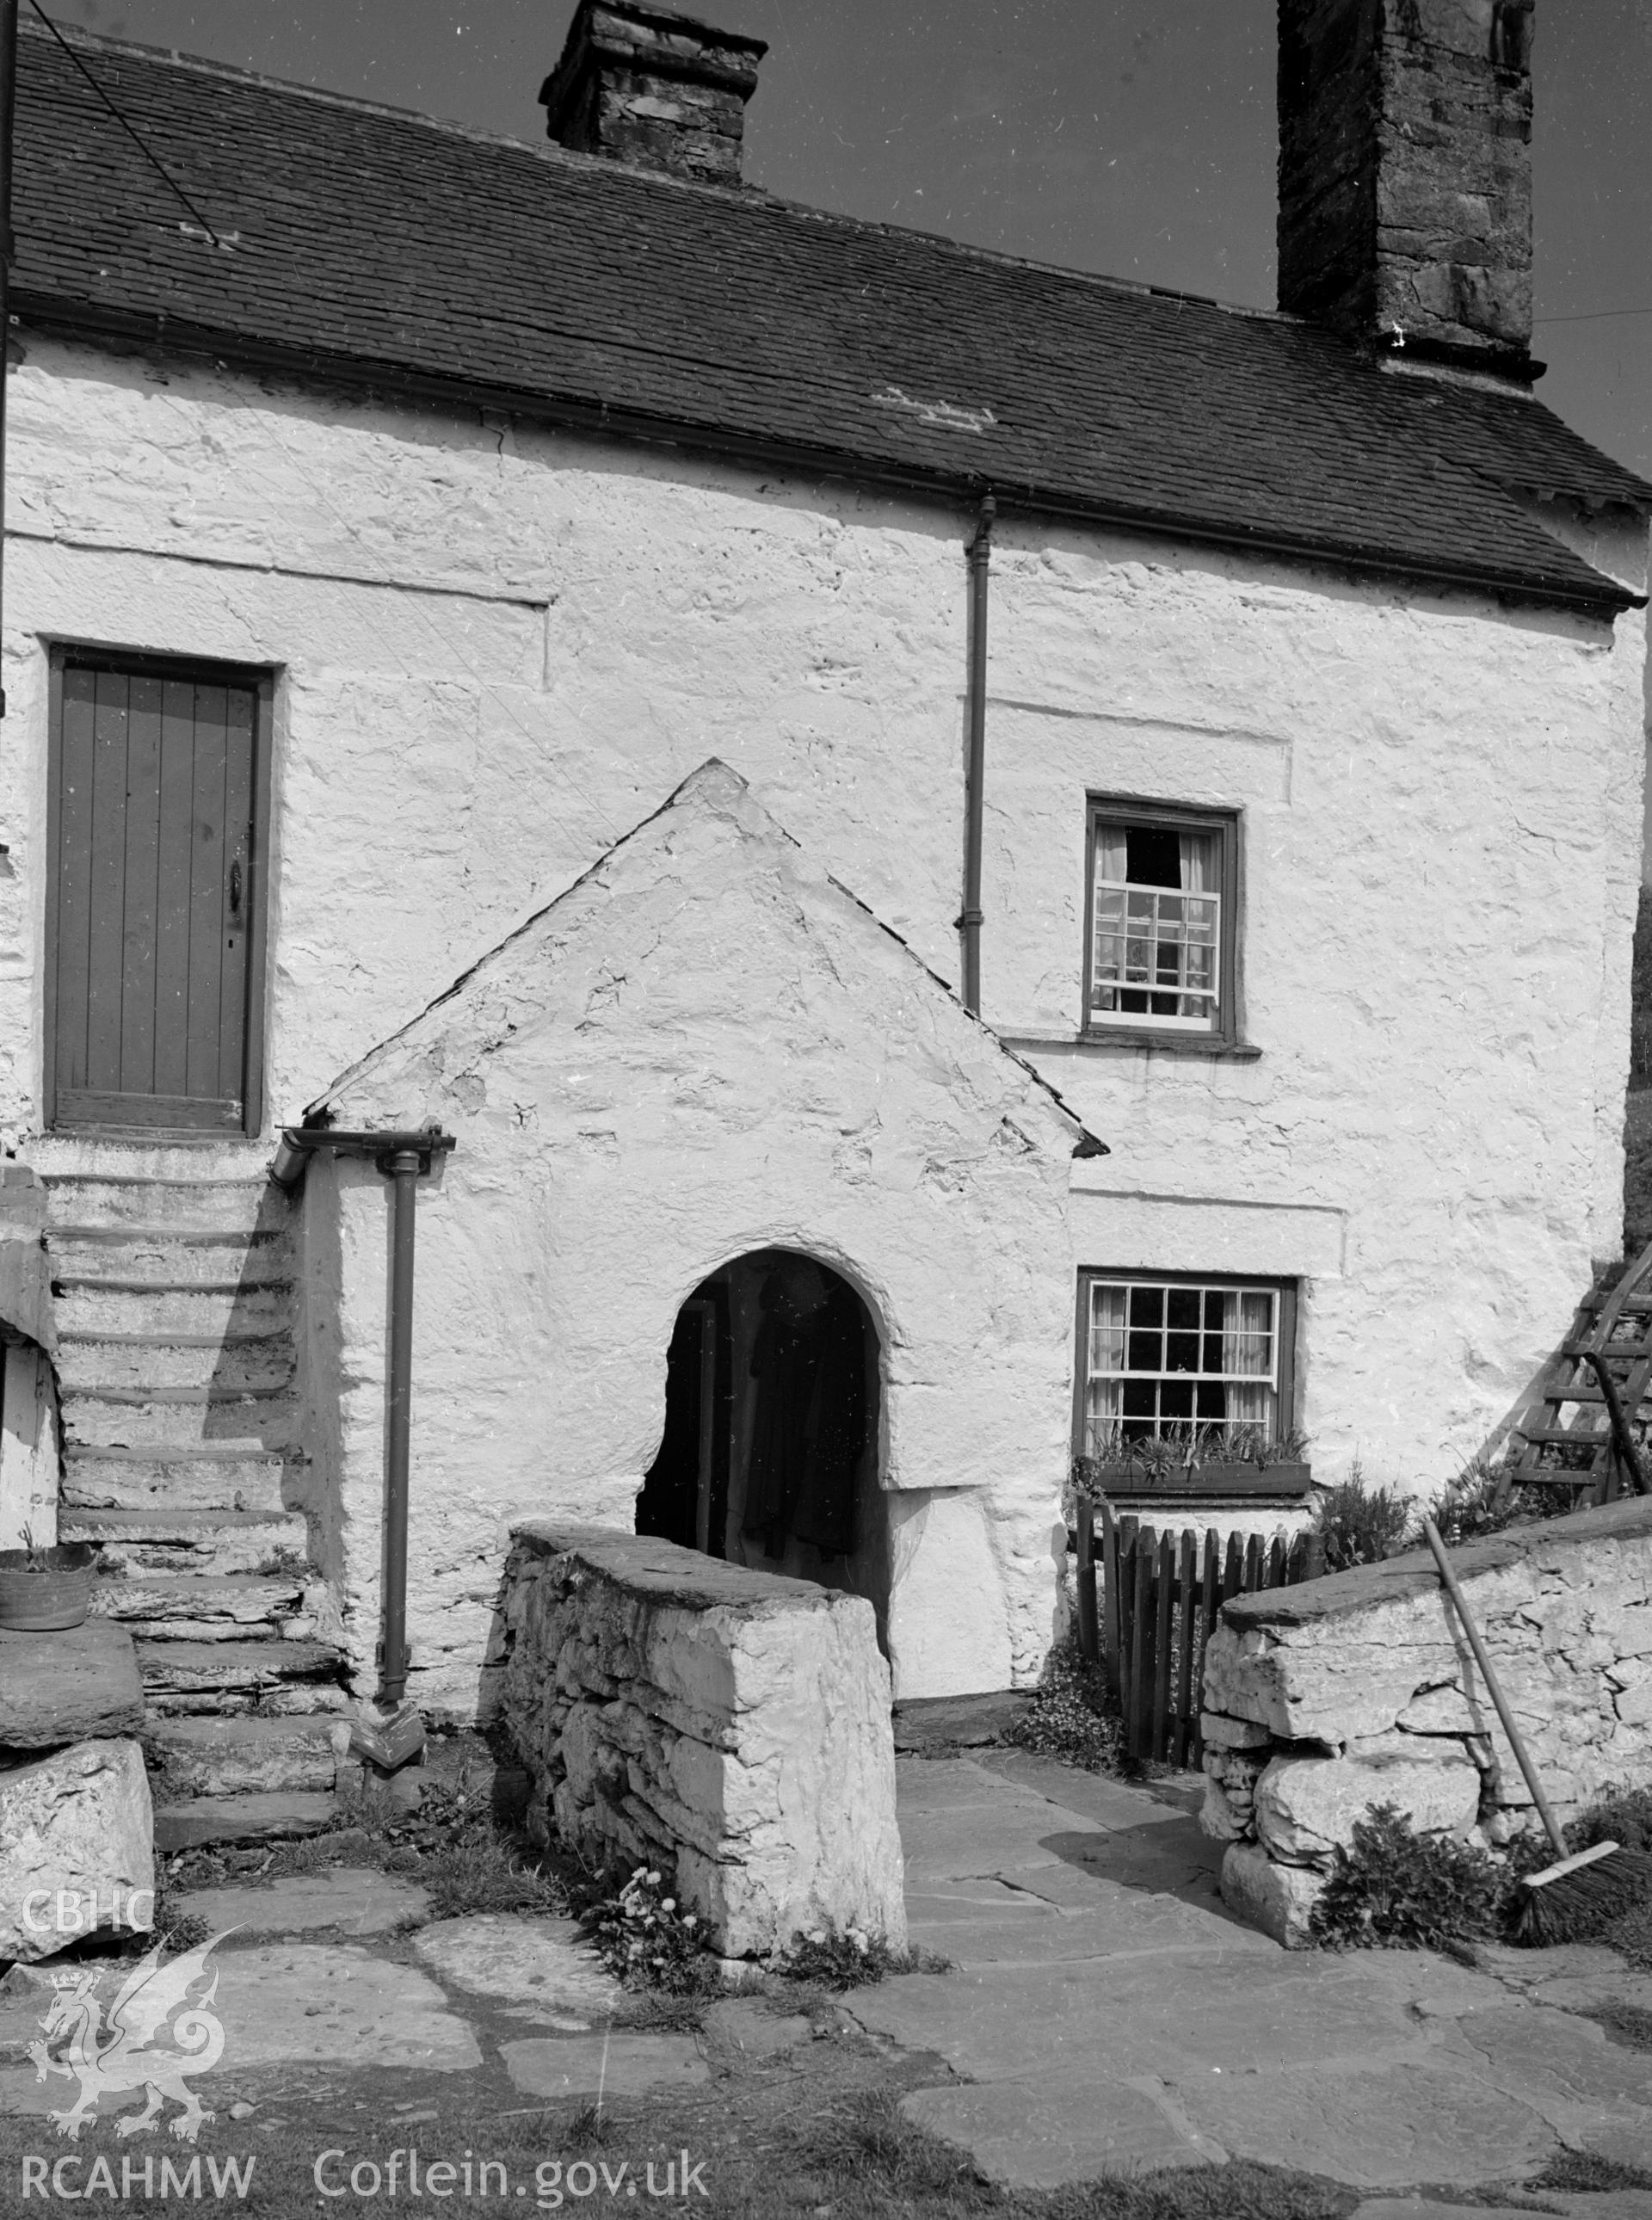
768	1455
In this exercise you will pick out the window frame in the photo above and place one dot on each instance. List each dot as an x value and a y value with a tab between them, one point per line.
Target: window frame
1288	1292
1141	1026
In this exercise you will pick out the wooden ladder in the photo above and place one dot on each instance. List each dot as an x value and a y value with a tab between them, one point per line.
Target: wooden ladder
1567	1439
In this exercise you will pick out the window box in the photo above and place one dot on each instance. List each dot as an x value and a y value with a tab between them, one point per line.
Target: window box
1125	1479
1161	921
1186	1386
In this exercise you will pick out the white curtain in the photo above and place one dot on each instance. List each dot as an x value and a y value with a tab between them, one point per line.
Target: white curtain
1104	1395
1247	1347
1198	859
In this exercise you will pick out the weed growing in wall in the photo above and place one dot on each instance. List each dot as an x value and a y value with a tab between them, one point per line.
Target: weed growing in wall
844	1958
1072	1716
1410	1891
1360	1525
644	1936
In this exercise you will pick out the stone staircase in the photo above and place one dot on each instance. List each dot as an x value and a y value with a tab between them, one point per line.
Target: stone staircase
173	1285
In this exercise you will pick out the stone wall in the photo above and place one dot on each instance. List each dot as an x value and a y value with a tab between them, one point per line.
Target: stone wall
736	1725
1325	1701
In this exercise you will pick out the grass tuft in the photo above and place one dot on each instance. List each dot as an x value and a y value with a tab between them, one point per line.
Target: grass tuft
870	2143
1584	2172
1628	2025
1243	2190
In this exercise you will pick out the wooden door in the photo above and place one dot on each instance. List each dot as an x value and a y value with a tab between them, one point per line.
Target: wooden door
154	924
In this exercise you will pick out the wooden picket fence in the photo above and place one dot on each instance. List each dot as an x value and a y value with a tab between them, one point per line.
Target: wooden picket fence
1159	1594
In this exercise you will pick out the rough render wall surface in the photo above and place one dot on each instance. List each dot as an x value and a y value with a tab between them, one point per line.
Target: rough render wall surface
707	1048
732	1722
1324	1700
499	648
1431	1134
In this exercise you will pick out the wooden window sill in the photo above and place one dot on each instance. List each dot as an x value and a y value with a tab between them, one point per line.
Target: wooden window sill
1129	1037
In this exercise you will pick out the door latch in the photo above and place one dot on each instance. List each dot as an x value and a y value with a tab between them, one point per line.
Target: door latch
235	888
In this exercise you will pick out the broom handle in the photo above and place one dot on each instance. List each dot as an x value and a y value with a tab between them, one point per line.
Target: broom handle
1495	1689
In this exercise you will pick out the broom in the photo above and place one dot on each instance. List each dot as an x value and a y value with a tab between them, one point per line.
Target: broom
1579	1893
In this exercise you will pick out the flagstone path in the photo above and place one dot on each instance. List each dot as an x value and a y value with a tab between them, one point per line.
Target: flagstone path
1102	2011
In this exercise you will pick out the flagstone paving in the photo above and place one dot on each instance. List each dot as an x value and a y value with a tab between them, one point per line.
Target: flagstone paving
538	1965
350	1900
1101	2010
1104	2007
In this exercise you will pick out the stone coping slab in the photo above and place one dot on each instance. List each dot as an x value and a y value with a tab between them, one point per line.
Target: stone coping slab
661	1572
1336	1594
73	1686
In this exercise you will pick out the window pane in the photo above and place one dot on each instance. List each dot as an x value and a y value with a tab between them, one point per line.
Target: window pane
1181	1352
1153	855
1163	1355
1156	933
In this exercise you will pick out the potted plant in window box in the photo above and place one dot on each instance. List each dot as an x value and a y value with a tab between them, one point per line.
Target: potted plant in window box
1207	1460
46	1590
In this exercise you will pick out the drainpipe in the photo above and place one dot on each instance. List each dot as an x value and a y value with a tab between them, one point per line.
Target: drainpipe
401	1157
975	805
402	1167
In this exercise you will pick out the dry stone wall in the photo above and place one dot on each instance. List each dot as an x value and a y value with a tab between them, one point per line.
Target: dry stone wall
673	1709
1325	1700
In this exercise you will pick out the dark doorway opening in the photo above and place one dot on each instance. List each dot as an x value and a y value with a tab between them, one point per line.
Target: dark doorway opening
684	1498
768	1456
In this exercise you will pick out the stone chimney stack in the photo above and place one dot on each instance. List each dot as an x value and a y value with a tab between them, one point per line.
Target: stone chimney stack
644	85
1405	175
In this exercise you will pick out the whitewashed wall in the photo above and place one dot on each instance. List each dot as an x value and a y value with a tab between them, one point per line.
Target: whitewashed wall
501	647
704	1049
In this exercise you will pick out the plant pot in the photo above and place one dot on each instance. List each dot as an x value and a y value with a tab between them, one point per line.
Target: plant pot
47	1599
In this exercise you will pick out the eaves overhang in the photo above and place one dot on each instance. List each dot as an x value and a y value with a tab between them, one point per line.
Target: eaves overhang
99	323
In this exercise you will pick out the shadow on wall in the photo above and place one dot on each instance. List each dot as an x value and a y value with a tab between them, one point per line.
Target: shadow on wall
253	1397
768	1457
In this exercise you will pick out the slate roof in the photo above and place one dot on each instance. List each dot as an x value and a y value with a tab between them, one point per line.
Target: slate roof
430	259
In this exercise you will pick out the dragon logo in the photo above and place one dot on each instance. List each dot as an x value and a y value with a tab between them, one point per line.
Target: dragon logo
126	2053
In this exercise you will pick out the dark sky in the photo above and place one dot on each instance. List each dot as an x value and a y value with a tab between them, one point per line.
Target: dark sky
1129	136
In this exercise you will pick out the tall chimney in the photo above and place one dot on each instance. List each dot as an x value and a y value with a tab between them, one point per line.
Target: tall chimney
650	87
1405	175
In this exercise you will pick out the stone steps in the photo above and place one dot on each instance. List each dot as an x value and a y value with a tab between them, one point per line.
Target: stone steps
225	1419
201	1607
173	1281
91	1304
242	1364
256	1818
212	1757
161	1540
228	1677
154	1255
200	1477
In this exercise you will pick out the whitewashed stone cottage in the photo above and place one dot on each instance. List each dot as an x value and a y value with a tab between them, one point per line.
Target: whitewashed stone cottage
488	644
